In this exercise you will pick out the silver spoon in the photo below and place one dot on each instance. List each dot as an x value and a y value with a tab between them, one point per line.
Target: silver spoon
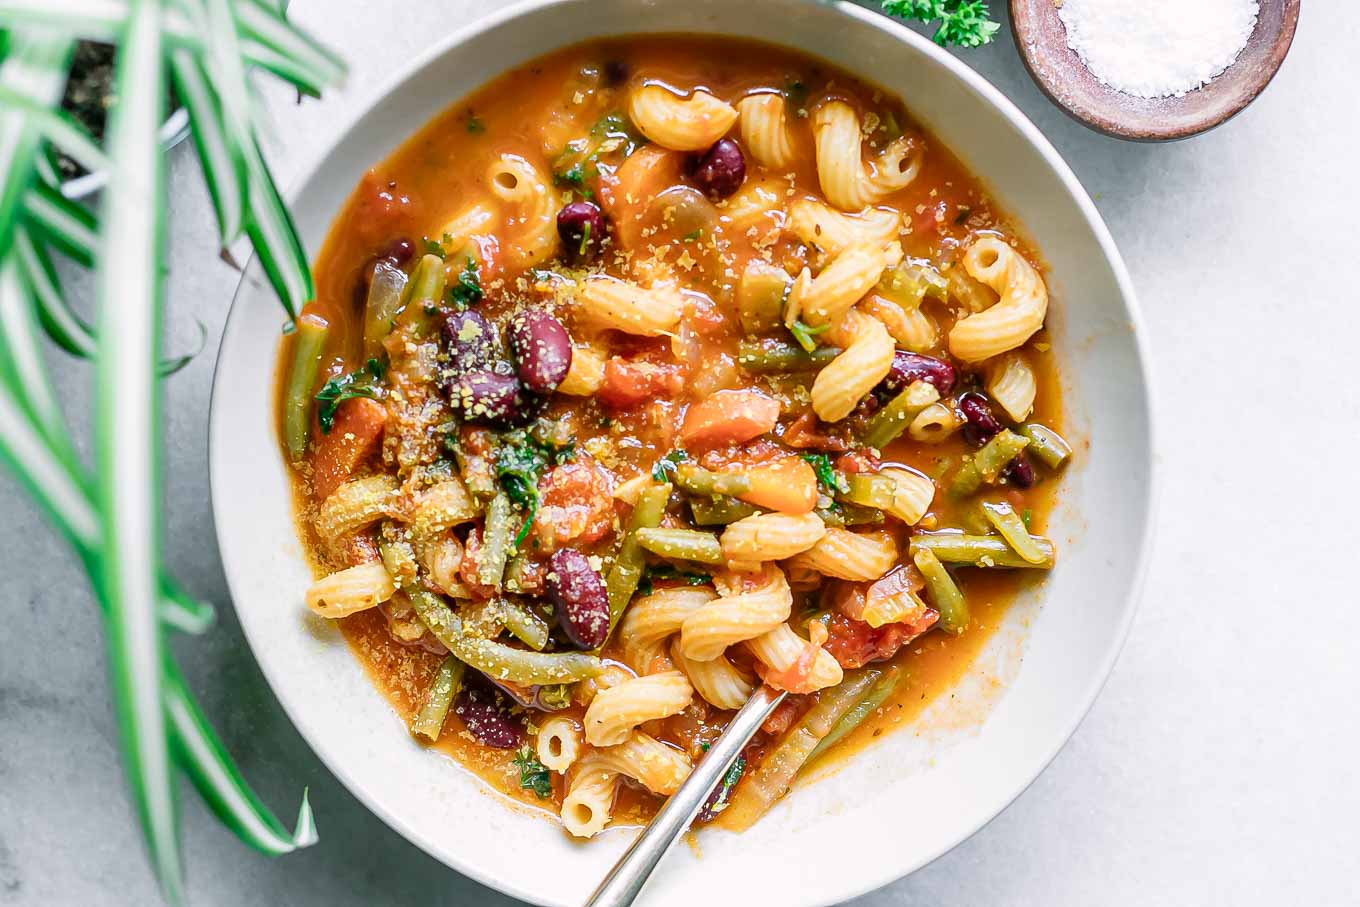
625	881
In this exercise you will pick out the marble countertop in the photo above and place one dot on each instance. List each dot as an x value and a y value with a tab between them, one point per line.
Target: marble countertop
1219	764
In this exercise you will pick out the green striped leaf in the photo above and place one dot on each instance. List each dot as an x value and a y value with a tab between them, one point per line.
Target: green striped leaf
65	224
126	420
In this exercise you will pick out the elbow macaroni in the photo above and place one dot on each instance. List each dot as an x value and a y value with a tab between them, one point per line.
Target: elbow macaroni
351	590
680	124
840	386
717	682
1015	318
780	651
1011	383
847	181
519	184
912	329
849	555
590	796
609	302
649	620
559	743
614	713
770	537
737	615
912	494
765	130
823	227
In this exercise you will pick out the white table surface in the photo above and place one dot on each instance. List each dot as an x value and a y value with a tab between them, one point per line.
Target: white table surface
1221	765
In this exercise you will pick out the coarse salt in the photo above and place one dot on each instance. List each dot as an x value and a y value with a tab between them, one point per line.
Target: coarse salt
1157	48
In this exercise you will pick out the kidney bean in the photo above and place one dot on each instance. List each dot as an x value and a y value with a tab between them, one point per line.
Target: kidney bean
1020	472
400	251
615	73
582	228
542	350
488	397
721	170
472	341
580	598
485	714
908	368
981	424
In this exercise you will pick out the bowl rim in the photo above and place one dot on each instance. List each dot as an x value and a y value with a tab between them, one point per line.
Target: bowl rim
870	879
1097	119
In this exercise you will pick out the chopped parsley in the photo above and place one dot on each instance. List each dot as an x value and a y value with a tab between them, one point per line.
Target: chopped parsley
467	290
666	572
360	383
666	465
437	247
575	177
518	467
806	335
694	235
474	124
827	475
722	794
795	92
966	23
534	775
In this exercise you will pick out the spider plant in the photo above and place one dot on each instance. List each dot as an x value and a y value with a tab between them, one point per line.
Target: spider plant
210	50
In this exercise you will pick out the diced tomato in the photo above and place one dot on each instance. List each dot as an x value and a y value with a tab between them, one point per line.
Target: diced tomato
807	432
576	505
729	417
354	436
787	485
629	382
854	643
858	461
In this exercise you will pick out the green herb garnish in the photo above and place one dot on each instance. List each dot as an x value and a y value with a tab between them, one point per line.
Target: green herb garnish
693	235
474	124
518	468
667	572
722	794
666	465
827	475
533	775
966	23
795	92
437	247
360	383
574	178
806	334
468	288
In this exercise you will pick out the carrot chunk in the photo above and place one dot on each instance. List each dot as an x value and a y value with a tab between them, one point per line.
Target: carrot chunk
355	435
729	417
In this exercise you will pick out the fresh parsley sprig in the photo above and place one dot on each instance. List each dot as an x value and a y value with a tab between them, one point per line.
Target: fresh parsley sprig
518	467
533	775
362	382
467	290
965	23
827	475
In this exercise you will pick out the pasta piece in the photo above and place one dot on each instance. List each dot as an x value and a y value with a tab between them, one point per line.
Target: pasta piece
840	386
653	764
681	124
751	604
765	130
848	555
559	743
912	329
611	676
1013	320
590	796
614	713
1011	383
440	507
847	180
356	504
891	600
912	494
756	199
823	227
933	424
585	375
441	558
649	620
521	185
794	663
771	537
351	590
845	281
456	234
717	682
609	302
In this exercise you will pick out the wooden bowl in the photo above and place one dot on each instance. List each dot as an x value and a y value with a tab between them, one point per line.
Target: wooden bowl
1042	40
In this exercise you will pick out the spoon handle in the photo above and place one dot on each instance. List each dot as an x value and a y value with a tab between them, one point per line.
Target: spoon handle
624	882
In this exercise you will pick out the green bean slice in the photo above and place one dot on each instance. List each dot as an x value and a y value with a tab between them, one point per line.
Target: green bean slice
626	573
429	721
697	480
1012	528
720	511
893	419
880	691
497	659
297	401
777	357
945	594
498	531
682	545
986	465
1046	444
980	550
869	491
525	625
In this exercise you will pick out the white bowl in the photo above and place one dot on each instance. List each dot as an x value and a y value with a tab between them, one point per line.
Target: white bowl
912	795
